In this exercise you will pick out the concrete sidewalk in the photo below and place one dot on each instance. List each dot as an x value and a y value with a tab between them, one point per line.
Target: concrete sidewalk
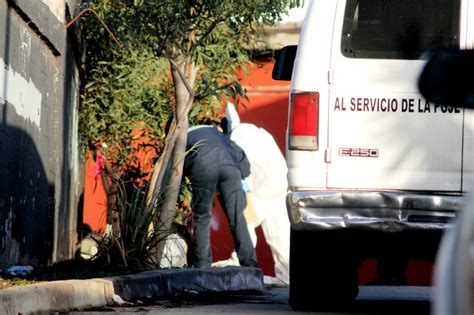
79	294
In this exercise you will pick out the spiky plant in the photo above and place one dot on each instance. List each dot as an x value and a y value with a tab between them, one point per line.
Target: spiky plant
134	239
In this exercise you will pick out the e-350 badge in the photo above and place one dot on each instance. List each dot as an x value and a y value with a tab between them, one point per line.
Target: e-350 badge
359	152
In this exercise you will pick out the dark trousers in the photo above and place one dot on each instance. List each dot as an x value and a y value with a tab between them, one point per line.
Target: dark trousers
227	181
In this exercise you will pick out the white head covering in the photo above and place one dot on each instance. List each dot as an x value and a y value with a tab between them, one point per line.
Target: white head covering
232	116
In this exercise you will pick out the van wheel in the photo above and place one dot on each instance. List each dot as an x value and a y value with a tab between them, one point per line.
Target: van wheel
323	272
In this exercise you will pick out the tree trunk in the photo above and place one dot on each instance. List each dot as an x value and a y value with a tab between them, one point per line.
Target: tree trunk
184	100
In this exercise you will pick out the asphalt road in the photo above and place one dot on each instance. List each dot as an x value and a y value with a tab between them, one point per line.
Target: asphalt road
274	300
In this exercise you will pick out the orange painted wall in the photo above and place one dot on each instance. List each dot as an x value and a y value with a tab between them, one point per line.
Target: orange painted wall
95	200
267	107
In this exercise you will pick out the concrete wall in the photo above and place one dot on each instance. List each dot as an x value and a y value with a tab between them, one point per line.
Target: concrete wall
281	35
39	166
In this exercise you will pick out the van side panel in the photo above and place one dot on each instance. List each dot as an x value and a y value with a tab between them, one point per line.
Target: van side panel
389	171
468	152
310	73
382	132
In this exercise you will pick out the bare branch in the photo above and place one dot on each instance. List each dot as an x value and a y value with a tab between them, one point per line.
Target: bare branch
100	20
207	32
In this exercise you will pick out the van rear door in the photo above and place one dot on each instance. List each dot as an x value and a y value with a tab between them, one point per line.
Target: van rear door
382	134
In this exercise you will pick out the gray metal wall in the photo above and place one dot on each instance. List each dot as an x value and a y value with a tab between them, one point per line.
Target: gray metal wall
39	165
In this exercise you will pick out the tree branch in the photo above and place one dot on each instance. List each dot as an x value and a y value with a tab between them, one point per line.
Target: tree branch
100	20
206	33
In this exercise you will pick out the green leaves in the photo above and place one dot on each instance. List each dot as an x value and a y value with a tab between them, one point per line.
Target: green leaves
129	92
130	84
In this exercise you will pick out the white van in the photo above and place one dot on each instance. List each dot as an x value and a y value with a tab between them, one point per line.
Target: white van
375	171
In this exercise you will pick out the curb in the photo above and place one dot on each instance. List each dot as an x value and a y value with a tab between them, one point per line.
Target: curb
67	295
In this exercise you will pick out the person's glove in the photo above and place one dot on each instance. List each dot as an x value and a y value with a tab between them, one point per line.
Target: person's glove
245	186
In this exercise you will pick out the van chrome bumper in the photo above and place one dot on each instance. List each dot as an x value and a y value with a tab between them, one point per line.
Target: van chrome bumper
387	211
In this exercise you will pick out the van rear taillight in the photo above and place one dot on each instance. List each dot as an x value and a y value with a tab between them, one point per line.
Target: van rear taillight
304	121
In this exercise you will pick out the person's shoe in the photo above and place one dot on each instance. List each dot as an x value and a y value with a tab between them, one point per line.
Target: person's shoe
232	261
249	263
201	265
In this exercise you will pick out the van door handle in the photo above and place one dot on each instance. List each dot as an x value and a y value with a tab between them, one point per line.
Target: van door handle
327	155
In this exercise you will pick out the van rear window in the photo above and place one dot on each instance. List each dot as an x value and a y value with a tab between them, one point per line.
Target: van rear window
402	29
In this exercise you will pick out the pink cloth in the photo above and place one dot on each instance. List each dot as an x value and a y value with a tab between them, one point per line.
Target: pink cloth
99	164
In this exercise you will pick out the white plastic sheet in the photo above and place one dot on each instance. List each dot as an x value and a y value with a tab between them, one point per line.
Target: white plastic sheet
268	186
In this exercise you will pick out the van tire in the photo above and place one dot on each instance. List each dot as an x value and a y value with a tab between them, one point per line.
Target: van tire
323	271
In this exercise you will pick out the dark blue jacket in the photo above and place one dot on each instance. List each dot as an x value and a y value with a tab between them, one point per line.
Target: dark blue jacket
208	148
